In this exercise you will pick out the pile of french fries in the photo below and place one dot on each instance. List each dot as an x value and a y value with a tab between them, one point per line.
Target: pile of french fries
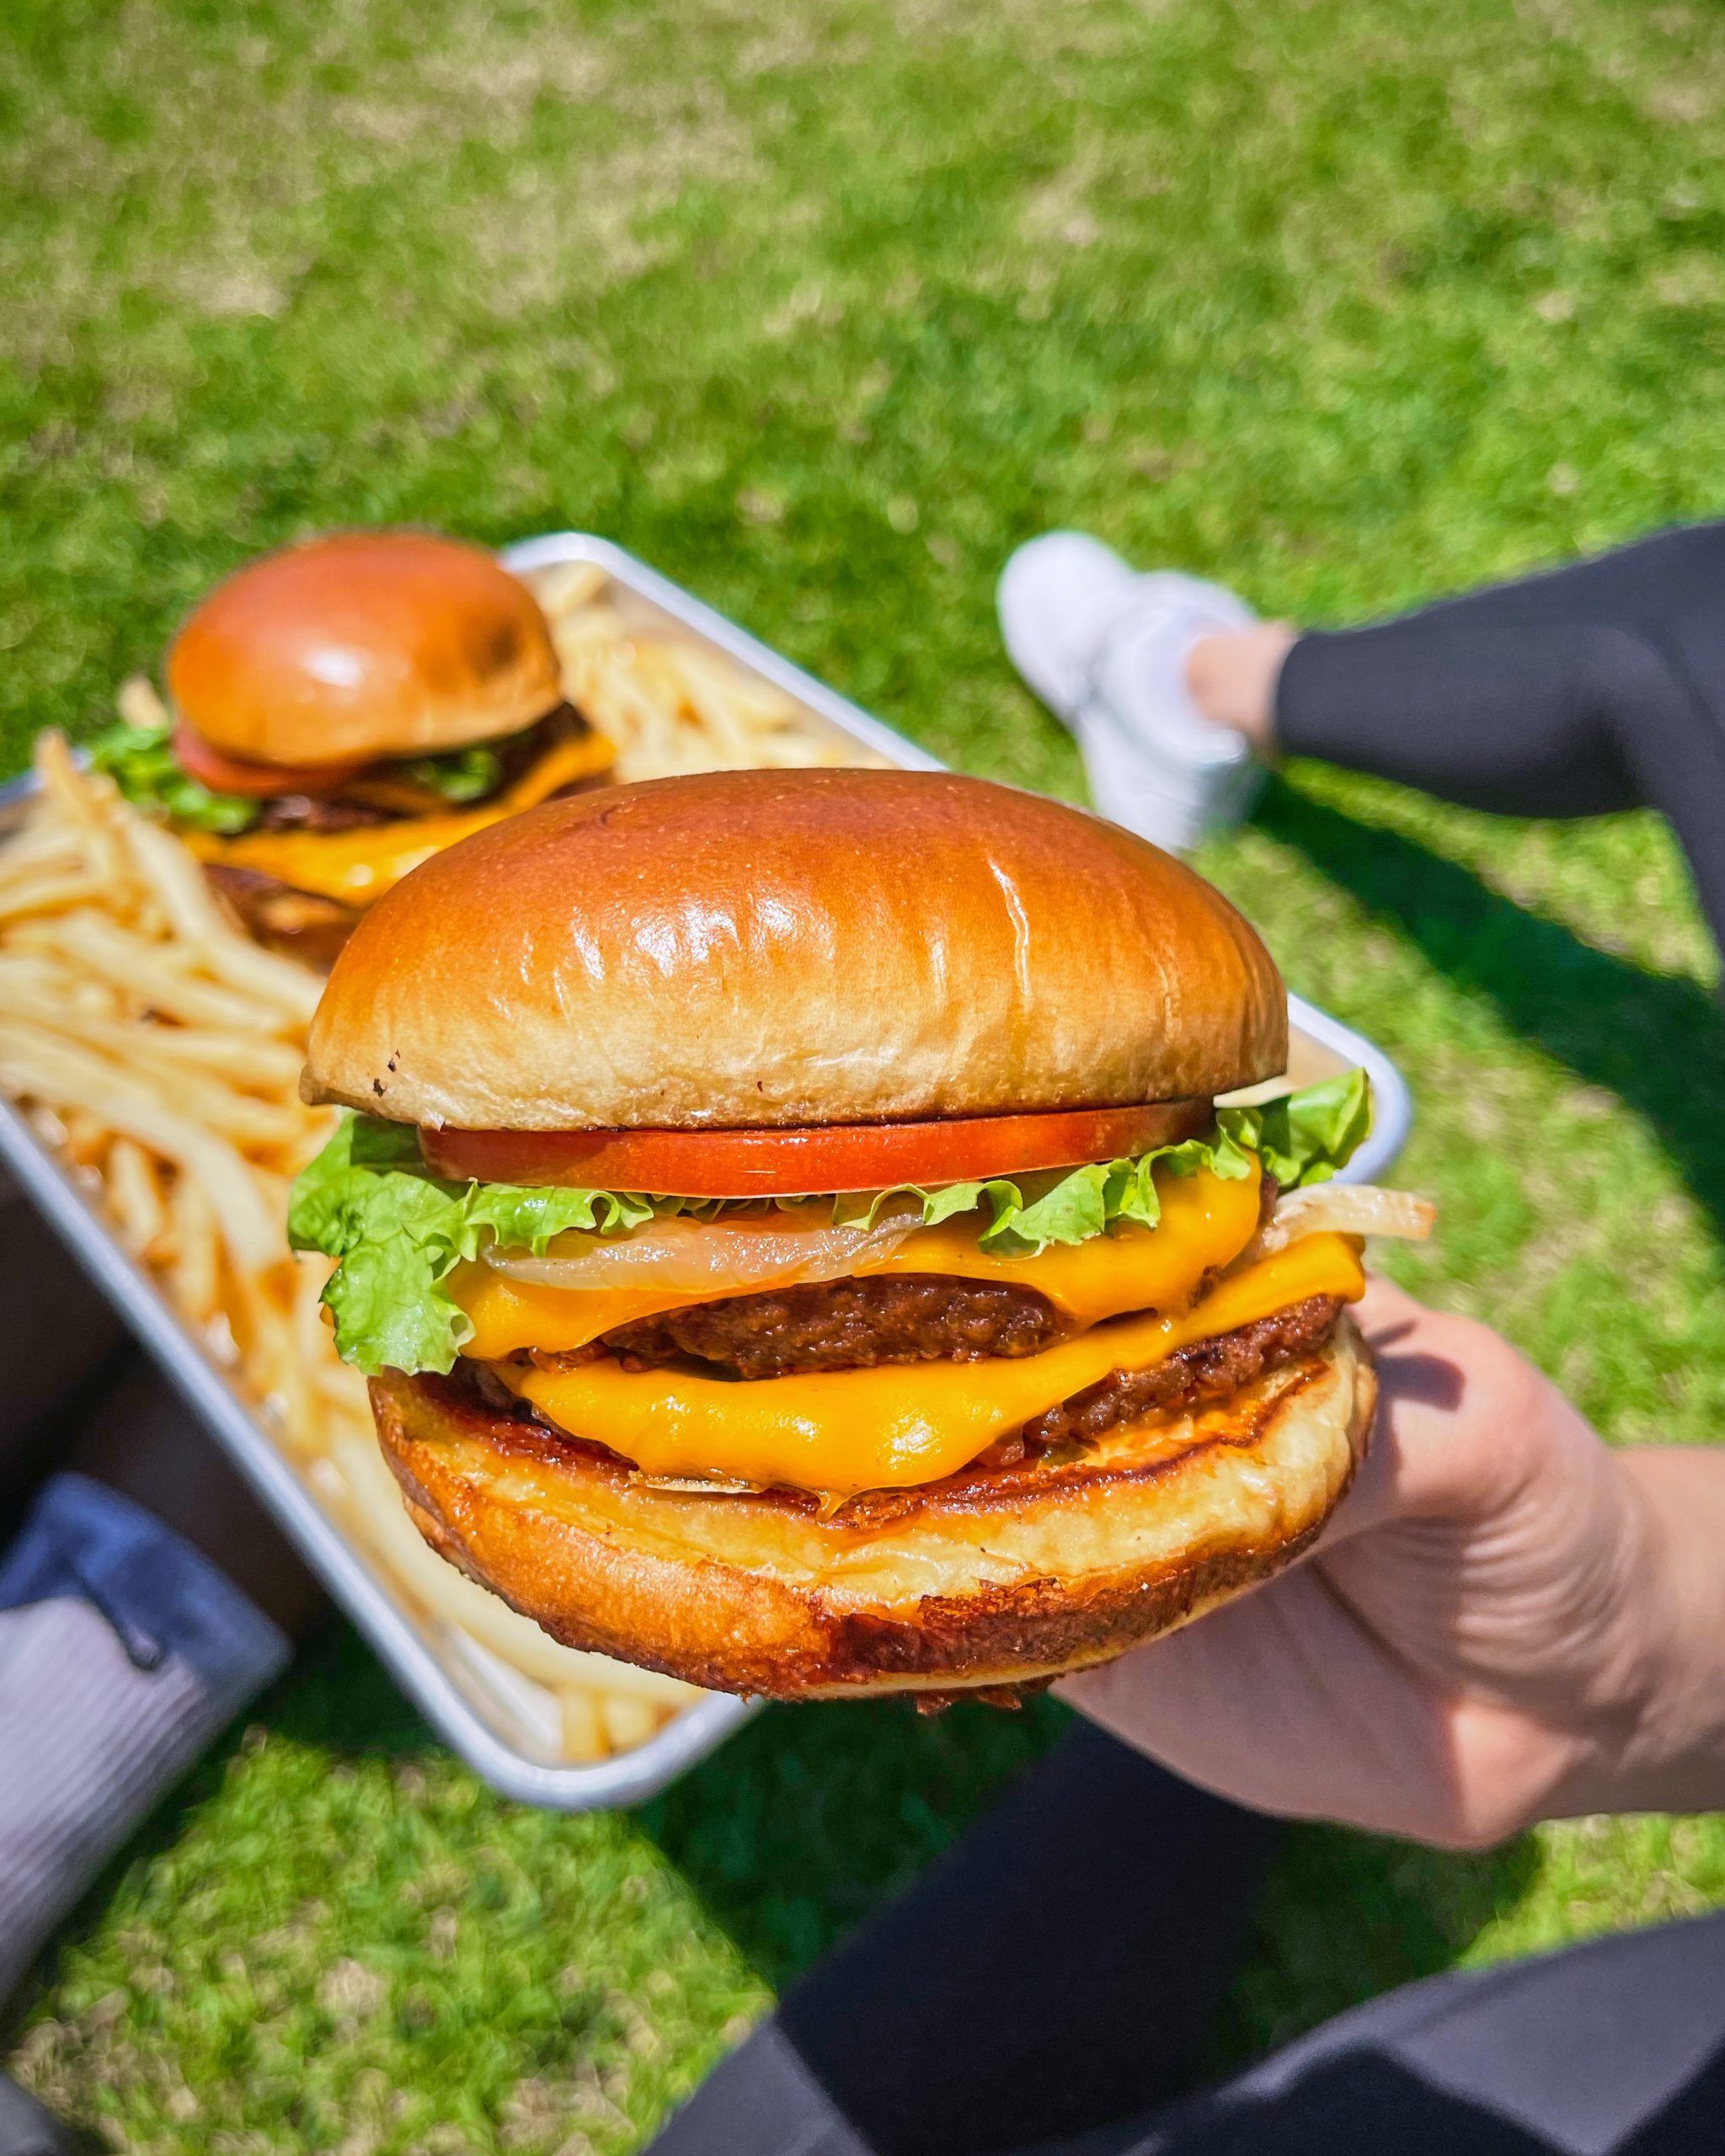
159	1050
668	704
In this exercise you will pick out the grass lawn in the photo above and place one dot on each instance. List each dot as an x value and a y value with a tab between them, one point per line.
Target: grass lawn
821	308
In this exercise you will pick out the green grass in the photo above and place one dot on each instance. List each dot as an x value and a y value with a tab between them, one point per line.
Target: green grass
821	309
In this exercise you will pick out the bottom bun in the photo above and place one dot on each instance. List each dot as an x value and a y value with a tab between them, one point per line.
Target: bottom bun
983	1581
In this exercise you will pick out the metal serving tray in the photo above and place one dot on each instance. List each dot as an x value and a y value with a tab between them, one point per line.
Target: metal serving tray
466	1694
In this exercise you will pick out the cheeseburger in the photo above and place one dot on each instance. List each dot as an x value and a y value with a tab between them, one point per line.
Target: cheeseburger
789	1225
341	712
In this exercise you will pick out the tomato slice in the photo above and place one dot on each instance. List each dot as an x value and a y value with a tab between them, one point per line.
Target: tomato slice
224	774
810	1160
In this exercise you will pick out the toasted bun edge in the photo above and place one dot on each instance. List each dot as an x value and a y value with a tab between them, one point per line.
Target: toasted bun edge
603	1565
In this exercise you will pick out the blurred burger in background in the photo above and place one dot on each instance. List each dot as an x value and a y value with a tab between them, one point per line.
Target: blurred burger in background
797	1243
339	711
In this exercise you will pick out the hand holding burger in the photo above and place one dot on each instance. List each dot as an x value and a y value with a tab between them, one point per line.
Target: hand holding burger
1509	1621
789	1224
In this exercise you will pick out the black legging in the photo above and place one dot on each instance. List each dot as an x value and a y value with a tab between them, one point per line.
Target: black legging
1594	687
1043	1988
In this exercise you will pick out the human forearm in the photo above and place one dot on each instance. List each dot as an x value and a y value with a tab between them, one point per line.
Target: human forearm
1672	1758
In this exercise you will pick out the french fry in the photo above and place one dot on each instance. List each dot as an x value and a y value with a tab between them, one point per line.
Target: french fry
67	1079
164	866
194	1272
135	1195
139	705
81	805
78	1041
276	983
49	893
567	585
584	1736
343	1390
160	981
629	1719
300	1409
38	847
185	899
263	1305
264	1067
86	1138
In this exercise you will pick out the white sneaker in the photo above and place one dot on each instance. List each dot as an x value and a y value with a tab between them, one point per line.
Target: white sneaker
1106	648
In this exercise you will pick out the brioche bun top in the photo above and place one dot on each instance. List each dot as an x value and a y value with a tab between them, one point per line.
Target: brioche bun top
751	949
362	645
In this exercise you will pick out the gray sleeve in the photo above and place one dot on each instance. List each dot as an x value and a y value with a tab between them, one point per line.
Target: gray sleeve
123	1655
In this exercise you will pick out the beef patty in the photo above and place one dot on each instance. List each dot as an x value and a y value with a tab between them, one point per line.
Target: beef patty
305	926
851	1324
1208	1370
845	1325
345	811
296	924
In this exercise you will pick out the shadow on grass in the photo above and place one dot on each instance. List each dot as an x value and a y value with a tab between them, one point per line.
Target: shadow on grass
811	1816
1346	1916
1656	1040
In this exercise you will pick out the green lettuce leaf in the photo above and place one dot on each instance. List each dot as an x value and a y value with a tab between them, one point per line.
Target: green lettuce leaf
461	774
398	1231
1305	1137
1300	1138
140	761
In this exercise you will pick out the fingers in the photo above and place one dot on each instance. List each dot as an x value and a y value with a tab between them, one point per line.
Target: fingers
1464	1421
1443	1380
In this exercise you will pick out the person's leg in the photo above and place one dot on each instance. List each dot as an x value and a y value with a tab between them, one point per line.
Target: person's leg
124	1653
1666	589
1614	2048
1595	687
1054	1971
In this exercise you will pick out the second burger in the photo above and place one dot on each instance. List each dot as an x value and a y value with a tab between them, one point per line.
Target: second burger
343	710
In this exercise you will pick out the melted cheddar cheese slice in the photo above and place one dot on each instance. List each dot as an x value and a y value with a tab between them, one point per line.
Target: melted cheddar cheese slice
1206	1222
360	866
893	1426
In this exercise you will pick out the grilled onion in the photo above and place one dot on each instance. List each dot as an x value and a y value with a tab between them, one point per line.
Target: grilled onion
708	1257
1347	1208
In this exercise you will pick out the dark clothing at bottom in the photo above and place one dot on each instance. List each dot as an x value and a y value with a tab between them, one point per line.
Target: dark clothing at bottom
1045	1986
25	2128
1594	687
